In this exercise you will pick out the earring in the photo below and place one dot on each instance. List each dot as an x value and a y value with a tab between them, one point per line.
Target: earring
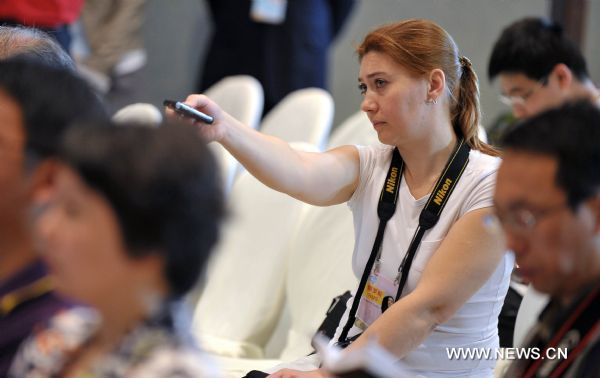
430	101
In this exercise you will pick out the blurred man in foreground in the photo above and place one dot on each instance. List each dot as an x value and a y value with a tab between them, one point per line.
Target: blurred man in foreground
548	202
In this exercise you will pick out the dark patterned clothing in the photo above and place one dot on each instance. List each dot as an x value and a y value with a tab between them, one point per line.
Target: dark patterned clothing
26	299
574	329
152	349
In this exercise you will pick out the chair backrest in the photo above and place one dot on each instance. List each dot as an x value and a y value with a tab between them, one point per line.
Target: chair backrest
304	115
356	129
140	113
320	256
242	97
319	268
228	166
245	281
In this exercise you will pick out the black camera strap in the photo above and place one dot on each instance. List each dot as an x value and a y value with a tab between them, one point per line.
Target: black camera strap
427	219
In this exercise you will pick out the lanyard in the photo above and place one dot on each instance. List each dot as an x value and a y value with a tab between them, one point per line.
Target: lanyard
427	219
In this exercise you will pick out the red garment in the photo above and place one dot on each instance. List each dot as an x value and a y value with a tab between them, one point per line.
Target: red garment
41	13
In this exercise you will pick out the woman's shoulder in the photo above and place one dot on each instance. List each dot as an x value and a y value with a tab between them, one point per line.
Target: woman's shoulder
377	149
374	154
478	181
482	165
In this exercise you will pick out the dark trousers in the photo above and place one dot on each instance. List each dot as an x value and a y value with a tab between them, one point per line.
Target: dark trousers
284	57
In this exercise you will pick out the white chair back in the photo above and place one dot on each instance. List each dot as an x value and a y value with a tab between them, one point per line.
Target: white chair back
228	166
304	115
244	286
242	97
356	129
319	268
139	113
319	264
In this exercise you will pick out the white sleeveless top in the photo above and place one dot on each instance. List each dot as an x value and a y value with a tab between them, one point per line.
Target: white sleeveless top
475	324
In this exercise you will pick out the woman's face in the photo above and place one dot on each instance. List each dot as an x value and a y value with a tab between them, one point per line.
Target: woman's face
82	243
390	301
393	100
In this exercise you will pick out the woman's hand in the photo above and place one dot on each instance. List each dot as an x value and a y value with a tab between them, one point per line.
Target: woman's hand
216	130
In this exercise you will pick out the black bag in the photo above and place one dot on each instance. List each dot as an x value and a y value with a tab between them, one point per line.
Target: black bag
256	374
334	315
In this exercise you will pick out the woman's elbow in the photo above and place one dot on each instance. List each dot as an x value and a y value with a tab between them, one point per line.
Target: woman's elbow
441	313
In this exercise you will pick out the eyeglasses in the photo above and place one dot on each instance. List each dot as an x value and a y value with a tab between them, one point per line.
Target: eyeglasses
521	99
523	220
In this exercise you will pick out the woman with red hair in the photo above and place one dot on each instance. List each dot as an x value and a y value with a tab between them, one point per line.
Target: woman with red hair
448	272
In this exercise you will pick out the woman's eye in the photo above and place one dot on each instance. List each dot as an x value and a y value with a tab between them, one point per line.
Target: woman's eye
362	88
379	83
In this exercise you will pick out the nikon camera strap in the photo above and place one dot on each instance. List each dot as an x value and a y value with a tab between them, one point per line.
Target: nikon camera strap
427	219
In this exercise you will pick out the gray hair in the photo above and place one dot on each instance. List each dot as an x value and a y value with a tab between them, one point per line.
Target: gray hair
33	44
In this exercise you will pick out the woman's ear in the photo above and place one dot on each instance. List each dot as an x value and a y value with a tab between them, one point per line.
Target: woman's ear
437	84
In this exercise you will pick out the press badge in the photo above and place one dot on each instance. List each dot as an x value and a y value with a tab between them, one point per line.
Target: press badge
268	11
378	296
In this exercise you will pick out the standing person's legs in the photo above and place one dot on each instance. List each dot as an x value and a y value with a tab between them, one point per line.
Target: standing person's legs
113	29
236	44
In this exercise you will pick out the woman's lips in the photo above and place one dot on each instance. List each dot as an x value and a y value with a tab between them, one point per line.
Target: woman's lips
378	124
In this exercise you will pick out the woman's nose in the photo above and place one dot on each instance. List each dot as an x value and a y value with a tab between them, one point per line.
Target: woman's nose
367	104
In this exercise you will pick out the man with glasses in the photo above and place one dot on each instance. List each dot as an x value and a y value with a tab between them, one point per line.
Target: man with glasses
548	202
538	68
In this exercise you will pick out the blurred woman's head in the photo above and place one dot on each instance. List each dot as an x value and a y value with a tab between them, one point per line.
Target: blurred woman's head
421	47
132	204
